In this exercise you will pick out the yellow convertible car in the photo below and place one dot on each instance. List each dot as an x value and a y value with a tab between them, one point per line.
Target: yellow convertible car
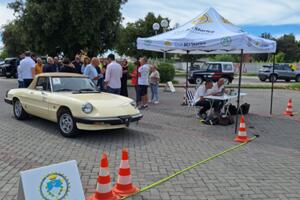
73	102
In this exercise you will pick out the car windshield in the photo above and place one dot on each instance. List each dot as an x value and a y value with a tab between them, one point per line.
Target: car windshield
72	84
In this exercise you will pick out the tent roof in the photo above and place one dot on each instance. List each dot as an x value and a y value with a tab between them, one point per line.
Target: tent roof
208	33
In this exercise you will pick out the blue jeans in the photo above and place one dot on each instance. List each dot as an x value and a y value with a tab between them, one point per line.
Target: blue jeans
154	92
114	90
21	84
100	84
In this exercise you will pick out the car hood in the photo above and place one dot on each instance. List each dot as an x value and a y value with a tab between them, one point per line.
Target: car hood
100	99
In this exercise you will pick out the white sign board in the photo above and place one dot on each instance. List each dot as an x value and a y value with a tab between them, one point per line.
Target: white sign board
171	86
54	182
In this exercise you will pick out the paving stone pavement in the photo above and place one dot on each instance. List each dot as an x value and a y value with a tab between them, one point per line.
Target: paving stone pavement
168	139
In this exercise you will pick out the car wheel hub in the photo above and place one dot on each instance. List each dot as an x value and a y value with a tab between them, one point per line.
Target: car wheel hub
18	108
66	123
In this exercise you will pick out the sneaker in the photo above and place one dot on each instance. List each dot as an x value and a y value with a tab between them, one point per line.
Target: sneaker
156	102
145	106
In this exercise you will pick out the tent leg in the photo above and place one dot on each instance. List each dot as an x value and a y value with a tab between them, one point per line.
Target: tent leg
272	87
187	71
239	90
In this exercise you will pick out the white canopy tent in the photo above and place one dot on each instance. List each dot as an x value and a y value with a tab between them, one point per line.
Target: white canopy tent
208	33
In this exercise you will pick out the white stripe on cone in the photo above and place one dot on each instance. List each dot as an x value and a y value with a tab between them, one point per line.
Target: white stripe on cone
103	188
124	180
124	164
242	125
103	172
242	133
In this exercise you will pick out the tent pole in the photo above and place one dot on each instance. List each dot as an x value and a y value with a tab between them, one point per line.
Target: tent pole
187	71
239	90
272	87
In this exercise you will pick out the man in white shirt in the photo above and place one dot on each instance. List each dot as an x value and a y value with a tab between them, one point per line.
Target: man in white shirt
113	75
143	82
27	69
91	72
218	88
199	100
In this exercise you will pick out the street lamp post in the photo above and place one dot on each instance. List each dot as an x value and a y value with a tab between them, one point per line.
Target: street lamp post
156	27
164	24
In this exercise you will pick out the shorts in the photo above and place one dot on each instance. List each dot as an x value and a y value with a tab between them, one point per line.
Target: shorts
143	90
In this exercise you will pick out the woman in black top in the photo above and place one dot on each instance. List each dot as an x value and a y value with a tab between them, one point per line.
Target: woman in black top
124	91
67	66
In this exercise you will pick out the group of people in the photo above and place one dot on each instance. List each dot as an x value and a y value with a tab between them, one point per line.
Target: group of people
107	74
209	88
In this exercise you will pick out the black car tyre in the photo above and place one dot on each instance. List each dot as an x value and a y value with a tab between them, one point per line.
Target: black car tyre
66	123
297	78
199	80
273	78
19	112
7	76
287	80
262	79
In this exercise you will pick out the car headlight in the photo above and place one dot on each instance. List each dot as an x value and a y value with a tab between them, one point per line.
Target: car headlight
133	103
87	108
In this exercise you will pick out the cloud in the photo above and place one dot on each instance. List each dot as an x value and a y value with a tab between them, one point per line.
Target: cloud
6	14
258	12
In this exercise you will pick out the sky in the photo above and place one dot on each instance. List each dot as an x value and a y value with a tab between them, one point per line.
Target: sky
277	17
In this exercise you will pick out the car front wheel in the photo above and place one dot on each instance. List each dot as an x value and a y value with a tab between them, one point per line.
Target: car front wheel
199	80
298	78
273	78
66	123
19	112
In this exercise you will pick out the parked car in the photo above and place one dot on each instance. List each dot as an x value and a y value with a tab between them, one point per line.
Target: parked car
9	68
212	71
2	71
72	101
281	72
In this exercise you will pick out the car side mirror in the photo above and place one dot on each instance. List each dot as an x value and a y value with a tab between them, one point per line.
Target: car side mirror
39	88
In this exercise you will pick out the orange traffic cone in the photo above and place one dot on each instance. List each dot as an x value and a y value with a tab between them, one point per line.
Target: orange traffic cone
289	109
242	135
103	190
124	186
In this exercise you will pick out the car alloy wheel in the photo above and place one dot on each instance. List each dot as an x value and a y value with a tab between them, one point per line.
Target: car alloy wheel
273	78
66	123
199	80
18	108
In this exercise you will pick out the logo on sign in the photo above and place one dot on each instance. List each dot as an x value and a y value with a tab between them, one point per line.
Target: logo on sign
202	20
226	41
147	42
168	43
54	186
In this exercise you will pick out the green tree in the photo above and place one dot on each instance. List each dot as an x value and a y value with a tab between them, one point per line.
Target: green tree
280	57
288	45
13	39
127	36
71	25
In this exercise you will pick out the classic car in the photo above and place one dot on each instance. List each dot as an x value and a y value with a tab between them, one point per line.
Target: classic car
73	102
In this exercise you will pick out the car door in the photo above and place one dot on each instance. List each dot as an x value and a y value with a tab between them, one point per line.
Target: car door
38	104
288	72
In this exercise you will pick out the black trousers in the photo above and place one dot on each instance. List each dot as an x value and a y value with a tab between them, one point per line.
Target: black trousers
27	82
205	104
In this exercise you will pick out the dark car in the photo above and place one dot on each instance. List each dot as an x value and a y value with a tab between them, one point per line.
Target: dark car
212	71
9	68
281	72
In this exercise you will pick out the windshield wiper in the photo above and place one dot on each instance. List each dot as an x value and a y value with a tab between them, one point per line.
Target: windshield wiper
62	90
86	90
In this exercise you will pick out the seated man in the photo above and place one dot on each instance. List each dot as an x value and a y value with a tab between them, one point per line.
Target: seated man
218	89
199	100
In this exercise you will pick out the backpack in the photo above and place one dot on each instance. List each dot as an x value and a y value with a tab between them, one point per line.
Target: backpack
244	109
225	120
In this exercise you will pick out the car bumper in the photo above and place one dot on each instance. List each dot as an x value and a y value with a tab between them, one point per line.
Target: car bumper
102	123
8	101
